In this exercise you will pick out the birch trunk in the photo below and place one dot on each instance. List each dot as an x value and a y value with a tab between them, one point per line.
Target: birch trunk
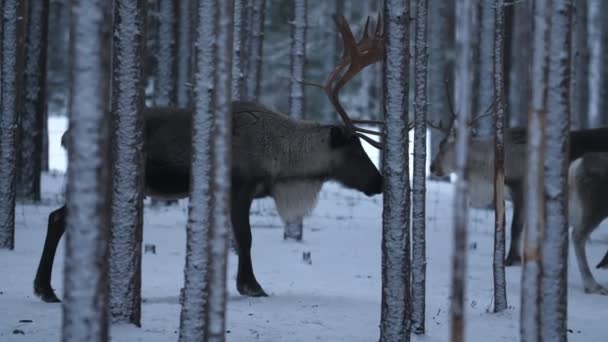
531	272
554	264
184	53
254	77
419	174
484	94
240	51
294	230
579	84
465	23
34	101
396	301
85	314
598	75
128	158
10	87
521	60
192	320
166	78
221	180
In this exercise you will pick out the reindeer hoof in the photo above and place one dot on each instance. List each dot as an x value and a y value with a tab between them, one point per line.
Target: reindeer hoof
46	294
251	289
513	260
596	289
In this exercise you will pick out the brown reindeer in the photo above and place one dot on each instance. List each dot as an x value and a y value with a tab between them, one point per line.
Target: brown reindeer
273	156
588	180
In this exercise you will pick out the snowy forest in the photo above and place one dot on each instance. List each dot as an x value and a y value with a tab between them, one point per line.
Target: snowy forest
397	170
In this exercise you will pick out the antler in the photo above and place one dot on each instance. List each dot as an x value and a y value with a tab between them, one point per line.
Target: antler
355	57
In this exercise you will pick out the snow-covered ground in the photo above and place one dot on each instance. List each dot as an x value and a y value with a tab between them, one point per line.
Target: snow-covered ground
334	298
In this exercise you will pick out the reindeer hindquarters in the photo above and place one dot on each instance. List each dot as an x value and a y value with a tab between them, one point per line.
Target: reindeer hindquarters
42	282
242	196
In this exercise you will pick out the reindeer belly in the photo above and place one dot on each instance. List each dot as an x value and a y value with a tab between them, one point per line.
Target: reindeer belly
295	198
164	181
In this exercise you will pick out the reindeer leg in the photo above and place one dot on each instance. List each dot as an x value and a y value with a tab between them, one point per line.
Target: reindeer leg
517	224
42	282
604	262
580	233
241	200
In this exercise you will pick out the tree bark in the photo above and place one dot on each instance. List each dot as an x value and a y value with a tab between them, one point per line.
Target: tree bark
240	51
554	260
254	78
184	53
465	24
484	95
10	92
597	33
521	60
531	273
500	291
419	175
34	102
166	78
579	84
396	301
85	314
128	157
294	230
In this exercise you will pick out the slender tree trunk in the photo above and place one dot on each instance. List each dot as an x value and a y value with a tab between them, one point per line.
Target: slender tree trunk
34	102
128	157
334	42
85	314
521	60
580	67
240	51
441	47
554	260
419	185
166	78
294	230
531	273
500	291
254	78
57	80
221	185
396	301
10	88
465	23
597	33
184	53
484	94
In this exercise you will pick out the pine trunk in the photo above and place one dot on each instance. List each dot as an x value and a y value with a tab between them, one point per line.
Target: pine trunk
294	230
465	23
254	77
240	51
500	291
128	160
34	102
166	78
396	301
554	264
531	272
419	175
184	53
85	314
521	60
10	88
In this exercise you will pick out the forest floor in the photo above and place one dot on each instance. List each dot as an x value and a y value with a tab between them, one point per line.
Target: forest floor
335	296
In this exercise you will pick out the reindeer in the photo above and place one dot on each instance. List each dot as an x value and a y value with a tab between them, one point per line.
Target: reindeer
588	180
273	156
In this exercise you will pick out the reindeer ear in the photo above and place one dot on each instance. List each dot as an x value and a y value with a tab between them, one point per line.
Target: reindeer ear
338	137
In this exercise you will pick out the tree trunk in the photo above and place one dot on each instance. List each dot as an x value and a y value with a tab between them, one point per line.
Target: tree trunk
166	78
484	92
294	230
597	32
254	77
465	24
441	47
184	53
85	314
531	272
554	260
579	84
396	301
10	92
240	51
521	59
221	185
128	157
419	175
58	39
500	292
34	102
